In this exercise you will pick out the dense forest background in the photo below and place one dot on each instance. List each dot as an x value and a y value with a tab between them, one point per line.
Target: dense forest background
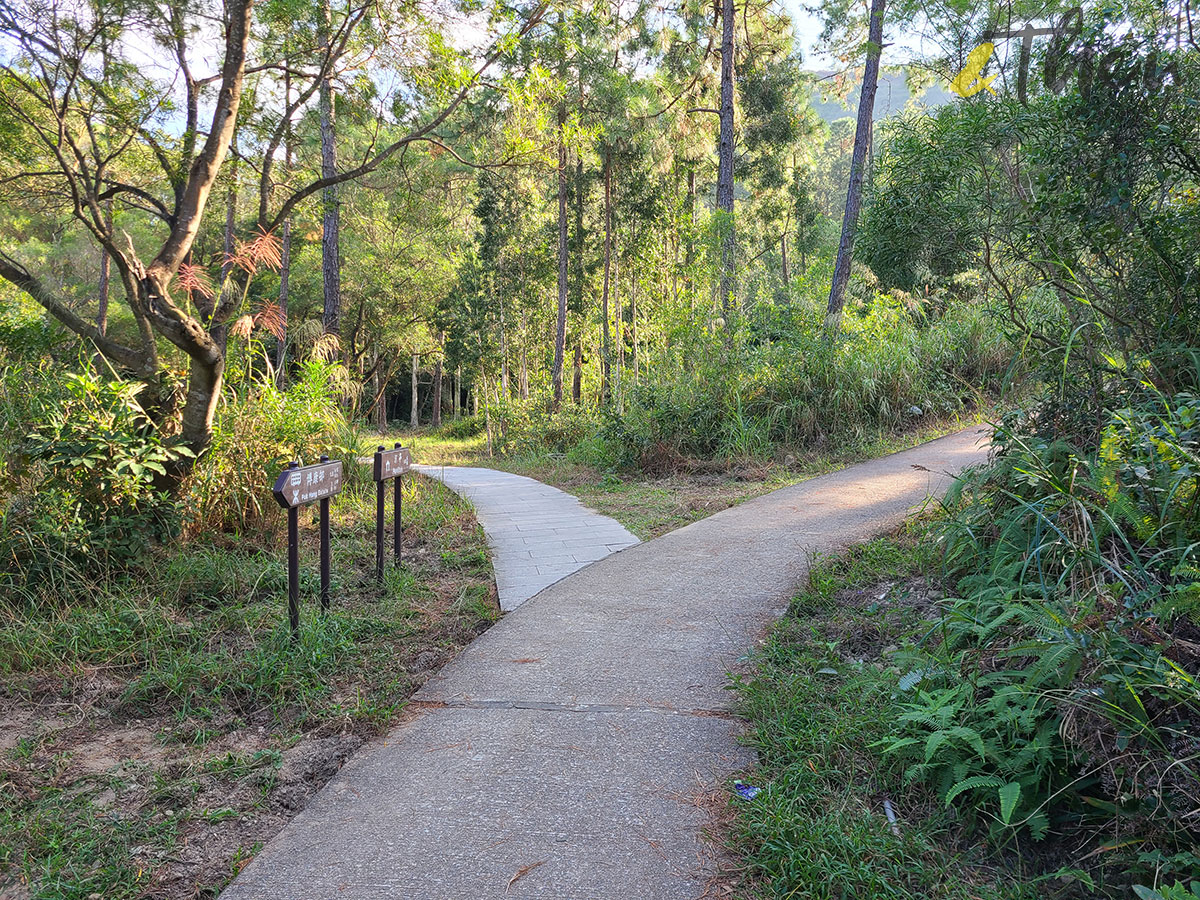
432	215
637	236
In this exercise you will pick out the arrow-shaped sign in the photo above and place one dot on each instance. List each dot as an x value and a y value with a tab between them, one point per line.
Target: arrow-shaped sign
391	463
306	484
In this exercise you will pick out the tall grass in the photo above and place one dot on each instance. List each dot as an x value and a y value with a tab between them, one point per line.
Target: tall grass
255	436
784	383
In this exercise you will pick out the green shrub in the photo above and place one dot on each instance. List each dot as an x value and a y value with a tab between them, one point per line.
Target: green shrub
528	429
255	436
466	427
90	493
1059	689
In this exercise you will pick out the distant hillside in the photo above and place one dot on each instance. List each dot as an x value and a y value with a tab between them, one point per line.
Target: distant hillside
890	98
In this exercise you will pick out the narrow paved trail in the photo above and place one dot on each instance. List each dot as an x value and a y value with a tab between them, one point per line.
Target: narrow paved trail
538	534
566	754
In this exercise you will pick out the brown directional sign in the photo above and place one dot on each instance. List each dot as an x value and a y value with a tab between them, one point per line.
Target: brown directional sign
307	484
391	463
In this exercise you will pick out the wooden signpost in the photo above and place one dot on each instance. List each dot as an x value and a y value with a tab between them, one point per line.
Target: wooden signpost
295	487
389	464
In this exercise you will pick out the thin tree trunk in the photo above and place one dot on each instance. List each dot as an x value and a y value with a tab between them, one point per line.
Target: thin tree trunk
728	284
230	221
618	331
862	137
560	333
577	379
436	419
381	381
787	276
605	345
457	392
524	360
219	330
487	413
598	356
105	276
575	250
330	243
633	330
414	418
689	254
674	238
285	253
503	355
285	274
105	260
501	419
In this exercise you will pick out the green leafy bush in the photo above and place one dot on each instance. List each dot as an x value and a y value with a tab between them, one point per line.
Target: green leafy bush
465	427
91	490
1177	891
527	429
1060	688
987	738
255	437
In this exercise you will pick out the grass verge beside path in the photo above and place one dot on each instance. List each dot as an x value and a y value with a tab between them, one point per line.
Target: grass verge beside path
156	733
650	505
820	695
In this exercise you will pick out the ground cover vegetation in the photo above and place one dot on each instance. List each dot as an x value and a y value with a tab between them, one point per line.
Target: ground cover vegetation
1045	697
159	721
821	698
598	243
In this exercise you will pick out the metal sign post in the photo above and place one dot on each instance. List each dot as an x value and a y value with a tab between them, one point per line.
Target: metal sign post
294	563
389	464
325	545
299	486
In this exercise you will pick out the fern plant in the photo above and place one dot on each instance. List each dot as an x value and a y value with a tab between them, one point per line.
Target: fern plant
987	738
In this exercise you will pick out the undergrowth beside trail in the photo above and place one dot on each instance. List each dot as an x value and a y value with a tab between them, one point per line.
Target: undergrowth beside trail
772	387
901	675
160	726
652	503
819	700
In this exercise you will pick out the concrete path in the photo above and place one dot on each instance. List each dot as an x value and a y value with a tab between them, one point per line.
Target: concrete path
570	751
538	534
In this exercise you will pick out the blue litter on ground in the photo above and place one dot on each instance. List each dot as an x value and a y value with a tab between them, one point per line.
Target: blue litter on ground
746	791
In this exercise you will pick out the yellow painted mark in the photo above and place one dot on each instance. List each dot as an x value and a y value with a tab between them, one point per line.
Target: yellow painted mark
967	83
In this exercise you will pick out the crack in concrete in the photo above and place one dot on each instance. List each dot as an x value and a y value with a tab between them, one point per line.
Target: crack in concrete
550	706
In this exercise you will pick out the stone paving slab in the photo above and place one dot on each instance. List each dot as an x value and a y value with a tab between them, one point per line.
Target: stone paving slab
537	533
581	730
